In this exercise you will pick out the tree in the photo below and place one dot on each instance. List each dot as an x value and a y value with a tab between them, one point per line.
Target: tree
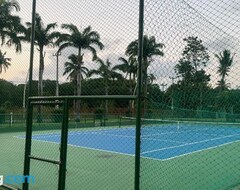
10	28
129	67
44	36
106	72
85	40
72	69
10	96
190	70
4	62
150	49
10	25
8	22
225	61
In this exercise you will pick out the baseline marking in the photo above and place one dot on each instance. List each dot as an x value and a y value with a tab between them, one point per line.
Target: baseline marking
197	142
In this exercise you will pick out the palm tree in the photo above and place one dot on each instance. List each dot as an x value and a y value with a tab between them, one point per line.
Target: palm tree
128	66
106	72
151	78
10	25
150	49
4	62
44	36
72	70
225	60
222	85
7	21
85	40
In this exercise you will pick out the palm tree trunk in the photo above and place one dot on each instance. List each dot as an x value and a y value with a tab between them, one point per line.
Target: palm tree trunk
135	89
130	89
79	81
144	85
78	94
201	99
74	101
40	81
41	69
106	101
223	82
184	94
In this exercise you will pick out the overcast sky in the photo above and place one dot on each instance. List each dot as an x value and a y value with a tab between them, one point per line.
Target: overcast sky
216	22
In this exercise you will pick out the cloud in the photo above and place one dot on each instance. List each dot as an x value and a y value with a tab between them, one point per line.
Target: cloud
223	42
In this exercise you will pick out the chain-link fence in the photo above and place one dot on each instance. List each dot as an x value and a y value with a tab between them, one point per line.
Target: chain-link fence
190	116
193	142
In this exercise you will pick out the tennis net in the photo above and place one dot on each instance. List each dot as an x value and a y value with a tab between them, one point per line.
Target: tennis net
178	124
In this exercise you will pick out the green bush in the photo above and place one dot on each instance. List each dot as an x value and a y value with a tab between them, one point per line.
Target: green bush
2	115
57	115
99	113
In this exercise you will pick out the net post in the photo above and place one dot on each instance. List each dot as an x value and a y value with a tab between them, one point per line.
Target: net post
139	97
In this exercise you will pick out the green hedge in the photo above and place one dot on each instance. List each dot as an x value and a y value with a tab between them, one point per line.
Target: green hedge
2	115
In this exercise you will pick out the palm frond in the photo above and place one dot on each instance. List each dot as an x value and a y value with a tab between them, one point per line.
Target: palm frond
71	27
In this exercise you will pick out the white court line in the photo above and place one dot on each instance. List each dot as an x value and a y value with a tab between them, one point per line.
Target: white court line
172	147
84	147
48	134
128	136
106	134
181	155
133	155
36	137
162	140
184	131
79	133
109	134
70	132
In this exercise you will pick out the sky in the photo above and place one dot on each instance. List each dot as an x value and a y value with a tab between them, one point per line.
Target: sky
216	22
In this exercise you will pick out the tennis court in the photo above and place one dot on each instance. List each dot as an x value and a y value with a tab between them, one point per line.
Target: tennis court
160	141
206	154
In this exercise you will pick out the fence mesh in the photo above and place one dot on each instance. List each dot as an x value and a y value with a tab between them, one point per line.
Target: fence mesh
196	78
190	129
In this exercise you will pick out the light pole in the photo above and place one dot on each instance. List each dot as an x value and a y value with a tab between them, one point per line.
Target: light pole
57	84
172	91
163	86
24	95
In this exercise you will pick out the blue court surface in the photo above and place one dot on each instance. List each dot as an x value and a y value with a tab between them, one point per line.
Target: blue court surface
157	142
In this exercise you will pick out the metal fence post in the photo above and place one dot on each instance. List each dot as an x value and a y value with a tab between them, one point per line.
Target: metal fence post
139	96
63	147
29	107
28	144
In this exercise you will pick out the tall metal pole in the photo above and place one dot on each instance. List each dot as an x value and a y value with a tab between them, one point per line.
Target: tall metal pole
139	97
24	96
63	147
57	83
29	107
163	86
172	107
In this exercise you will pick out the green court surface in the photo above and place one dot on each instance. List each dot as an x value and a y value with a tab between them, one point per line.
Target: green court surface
216	168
